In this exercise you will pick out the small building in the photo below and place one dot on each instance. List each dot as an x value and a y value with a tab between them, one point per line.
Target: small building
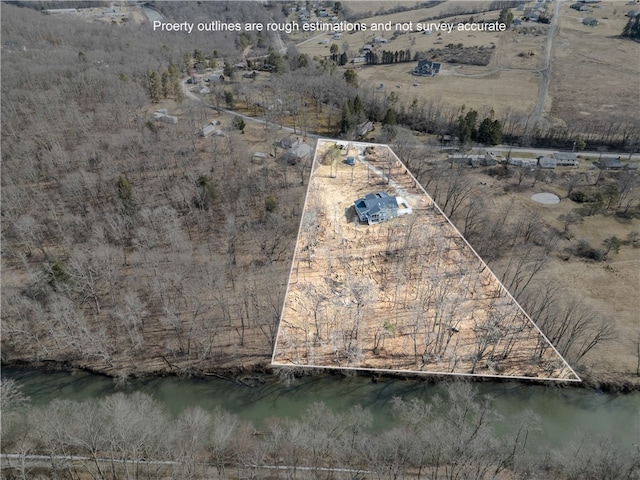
566	159
523	162
590	22
581	7
209	129
290	141
547	163
258	158
59	11
380	40
462	159
490	159
364	128
380	207
611	163
163	116
426	68
298	153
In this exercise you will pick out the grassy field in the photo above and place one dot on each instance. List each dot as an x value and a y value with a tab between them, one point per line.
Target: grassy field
593	56
595	71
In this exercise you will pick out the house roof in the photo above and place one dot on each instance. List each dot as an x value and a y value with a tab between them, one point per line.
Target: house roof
611	162
364	127
373	203
426	68
565	156
301	150
548	162
290	141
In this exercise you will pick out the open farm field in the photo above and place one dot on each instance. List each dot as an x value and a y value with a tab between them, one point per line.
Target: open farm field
369	8
595	71
510	80
482	89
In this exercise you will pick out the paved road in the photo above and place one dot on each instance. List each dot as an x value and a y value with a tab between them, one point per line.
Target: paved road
247	118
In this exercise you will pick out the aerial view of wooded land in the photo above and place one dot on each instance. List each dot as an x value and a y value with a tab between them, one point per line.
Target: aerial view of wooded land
153	187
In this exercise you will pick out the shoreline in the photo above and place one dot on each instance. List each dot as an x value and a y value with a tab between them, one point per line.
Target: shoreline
252	375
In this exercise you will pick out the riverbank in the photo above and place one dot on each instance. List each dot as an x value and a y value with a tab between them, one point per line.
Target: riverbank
561	414
250	374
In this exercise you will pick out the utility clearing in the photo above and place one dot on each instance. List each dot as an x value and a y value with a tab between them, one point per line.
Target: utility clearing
402	293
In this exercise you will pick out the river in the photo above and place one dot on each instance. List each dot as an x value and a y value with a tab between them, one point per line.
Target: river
564	412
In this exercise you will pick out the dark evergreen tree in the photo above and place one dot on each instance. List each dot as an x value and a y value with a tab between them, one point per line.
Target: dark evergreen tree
351	77
506	16
390	123
632	28
467	129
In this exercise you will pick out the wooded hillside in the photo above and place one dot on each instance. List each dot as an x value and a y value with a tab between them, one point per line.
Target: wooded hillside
129	246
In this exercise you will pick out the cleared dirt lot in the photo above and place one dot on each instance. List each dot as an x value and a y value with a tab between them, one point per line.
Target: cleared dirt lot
403	295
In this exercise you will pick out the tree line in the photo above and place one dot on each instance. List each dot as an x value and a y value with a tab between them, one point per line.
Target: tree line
388	57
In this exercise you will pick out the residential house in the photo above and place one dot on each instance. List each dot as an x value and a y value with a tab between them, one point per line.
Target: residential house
611	163
163	116
364	128
490	159
523	162
298	153
590	22
581	7
380	207
566	159
426	68
290	141
547	162
211	129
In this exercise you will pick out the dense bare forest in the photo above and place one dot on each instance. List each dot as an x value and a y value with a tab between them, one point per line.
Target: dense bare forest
125	247
131	246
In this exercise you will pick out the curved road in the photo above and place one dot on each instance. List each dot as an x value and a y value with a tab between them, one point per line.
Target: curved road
189	94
